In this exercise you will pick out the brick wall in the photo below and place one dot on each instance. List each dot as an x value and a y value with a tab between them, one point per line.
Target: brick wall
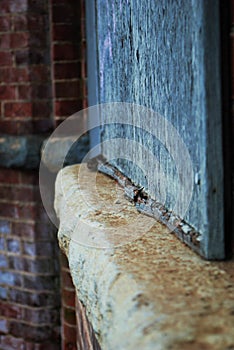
42	81
68	53
77	332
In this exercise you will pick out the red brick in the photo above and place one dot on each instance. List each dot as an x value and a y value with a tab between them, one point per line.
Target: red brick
67	280
9	176
5	23
69	316
7	92
5	227
40	283
24	92
16	127
62	13
5	58
62	32
36	22
24	230
29	331
22	56
3	259
17	211
5	8
10	310
68	70
47	316
68	297
13	246
41	109
38	249
12	343
69	333
68	89
5	41
16	109
19	40
14	75
39	73
18	6
35	299
20	22
4	326
65	51
43	125
66	108
42	91
69	345
29	177
41	266
16	193
63	260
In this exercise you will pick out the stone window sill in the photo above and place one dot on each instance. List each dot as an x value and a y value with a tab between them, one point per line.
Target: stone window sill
150	292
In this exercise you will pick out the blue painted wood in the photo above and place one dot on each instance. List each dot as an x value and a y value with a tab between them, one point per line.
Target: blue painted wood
165	55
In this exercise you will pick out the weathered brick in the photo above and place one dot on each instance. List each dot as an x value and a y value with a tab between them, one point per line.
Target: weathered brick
29	177
67	70
11	310
5	24
18	6
68	89
16	193
41	91
38	249
9	342
22	57
16	109
65	51
42	266
41	109
62	13
13	246
3	326
36	21
48	316
43	125
5	58
69	316
5	227
16	127
66	108
68	297
29	331
67	280
3	261
2	244
14	75
39	73
10	278
3	293
24	230
62	32
69	333
35	298
20	22
22	211
9	176
40	283
19	40
5	41
7	92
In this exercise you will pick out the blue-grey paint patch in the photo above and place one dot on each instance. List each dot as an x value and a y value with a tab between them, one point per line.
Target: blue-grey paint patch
165	55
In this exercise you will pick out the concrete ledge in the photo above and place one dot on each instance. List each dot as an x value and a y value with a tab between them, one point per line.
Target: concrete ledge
151	292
